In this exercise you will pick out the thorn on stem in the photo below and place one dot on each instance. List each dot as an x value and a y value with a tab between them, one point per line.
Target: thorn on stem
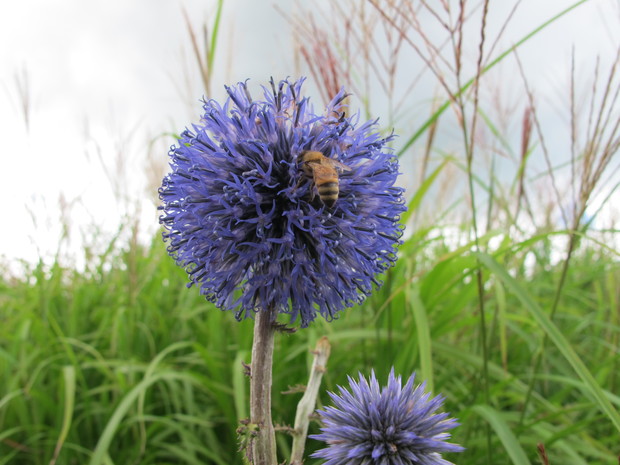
247	369
285	429
282	328
295	389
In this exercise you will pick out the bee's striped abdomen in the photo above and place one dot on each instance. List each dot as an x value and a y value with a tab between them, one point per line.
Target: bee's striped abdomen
328	192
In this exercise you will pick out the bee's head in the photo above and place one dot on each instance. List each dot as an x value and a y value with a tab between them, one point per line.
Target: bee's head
310	156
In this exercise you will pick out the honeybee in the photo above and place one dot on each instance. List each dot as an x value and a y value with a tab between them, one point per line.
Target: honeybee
324	174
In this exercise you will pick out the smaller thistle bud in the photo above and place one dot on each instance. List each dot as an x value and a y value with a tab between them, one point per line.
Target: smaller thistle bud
395	425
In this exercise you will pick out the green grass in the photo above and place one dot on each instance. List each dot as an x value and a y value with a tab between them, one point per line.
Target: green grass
122	364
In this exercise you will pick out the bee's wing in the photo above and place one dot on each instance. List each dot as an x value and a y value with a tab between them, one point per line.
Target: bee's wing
322	171
338	165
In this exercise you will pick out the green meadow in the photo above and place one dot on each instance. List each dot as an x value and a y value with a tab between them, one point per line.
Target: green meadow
123	364
507	306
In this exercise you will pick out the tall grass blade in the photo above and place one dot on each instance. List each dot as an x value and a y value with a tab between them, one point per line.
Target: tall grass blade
101	449
239	381
417	198
423	332
591	387
214	36
504	433
68	374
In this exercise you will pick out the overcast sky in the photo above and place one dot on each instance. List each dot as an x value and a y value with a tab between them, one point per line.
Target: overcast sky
104	78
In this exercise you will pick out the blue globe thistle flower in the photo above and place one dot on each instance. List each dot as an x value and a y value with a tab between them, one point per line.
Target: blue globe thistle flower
395	425
243	215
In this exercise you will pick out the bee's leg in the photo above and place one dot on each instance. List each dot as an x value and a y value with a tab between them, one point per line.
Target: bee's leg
301	181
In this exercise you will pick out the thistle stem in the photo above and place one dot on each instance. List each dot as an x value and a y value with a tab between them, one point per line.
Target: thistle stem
264	444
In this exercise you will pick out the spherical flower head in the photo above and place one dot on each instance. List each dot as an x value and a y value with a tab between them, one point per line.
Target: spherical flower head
258	228
395	425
